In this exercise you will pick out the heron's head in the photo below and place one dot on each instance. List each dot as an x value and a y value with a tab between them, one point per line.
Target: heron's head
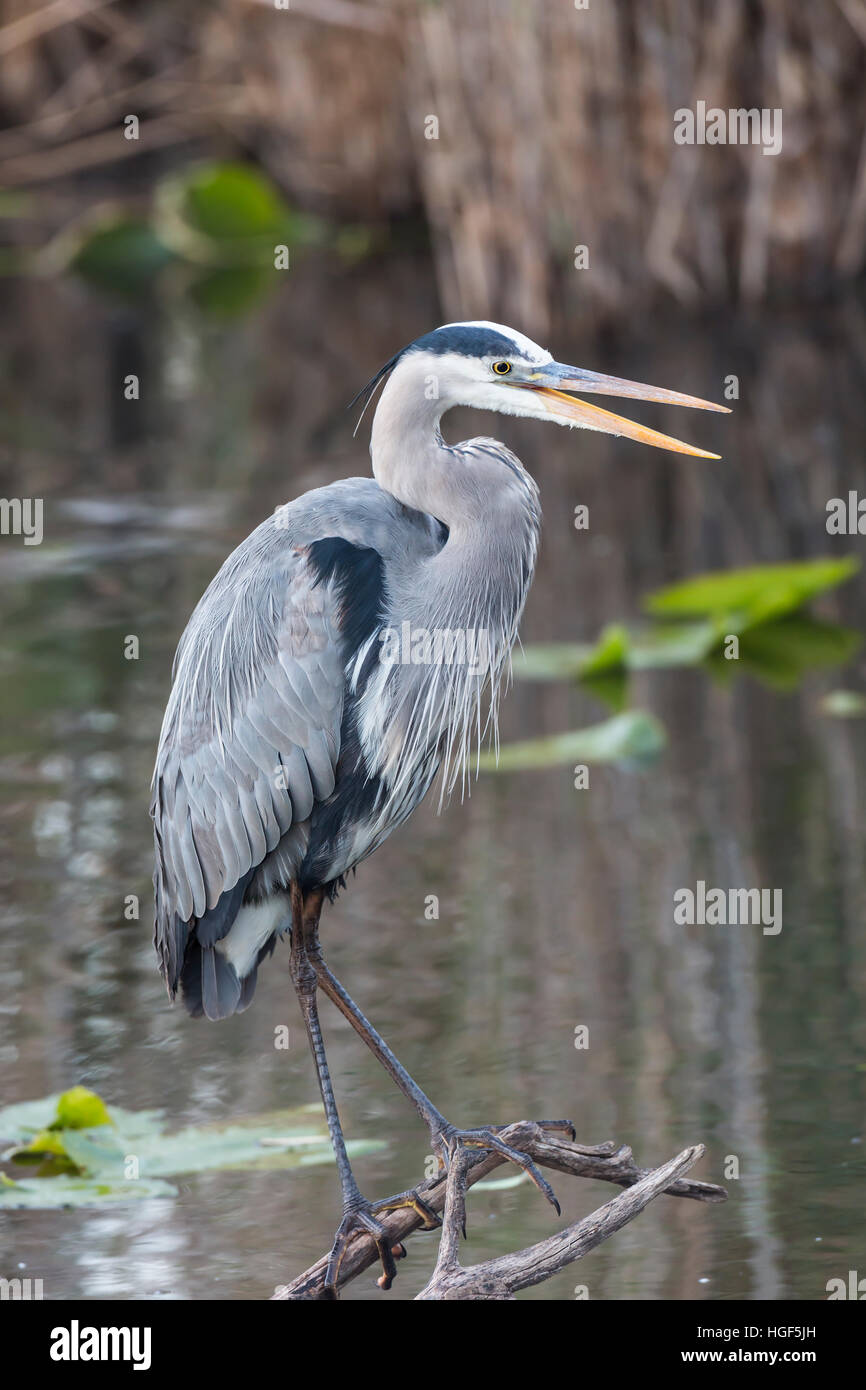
492	367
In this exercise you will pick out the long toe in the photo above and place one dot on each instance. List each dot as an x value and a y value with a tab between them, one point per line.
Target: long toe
451	1139
359	1221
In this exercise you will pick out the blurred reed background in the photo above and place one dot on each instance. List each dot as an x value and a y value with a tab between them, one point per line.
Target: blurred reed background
555	130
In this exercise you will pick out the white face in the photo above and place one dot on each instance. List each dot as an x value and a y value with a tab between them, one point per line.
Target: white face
479	381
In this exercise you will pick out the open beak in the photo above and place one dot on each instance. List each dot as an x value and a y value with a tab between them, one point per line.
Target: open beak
552	381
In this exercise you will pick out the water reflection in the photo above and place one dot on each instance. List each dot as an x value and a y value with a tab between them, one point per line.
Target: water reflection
556	906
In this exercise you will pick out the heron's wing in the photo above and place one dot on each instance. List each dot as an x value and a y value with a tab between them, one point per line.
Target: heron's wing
250	739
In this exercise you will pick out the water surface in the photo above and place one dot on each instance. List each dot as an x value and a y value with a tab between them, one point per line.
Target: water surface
556	905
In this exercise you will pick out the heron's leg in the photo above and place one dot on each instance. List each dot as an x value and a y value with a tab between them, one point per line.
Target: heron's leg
357	1211
445	1138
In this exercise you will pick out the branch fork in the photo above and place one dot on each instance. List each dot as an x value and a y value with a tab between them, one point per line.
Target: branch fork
500	1278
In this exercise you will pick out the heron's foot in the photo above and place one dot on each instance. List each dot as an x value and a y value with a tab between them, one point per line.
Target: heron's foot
448	1140
360	1219
430	1220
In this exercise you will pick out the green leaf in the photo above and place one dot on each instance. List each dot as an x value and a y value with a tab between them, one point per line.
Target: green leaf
761	592
243	1145
47	1141
780	653
229	215
632	737
80	1109
673	644
232	202
610	653
69	1191
99	1154
124	256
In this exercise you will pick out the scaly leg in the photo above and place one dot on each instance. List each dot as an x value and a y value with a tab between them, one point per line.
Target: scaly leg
358	1212
445	1138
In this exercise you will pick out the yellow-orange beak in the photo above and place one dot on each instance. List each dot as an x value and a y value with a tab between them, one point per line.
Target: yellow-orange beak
552	381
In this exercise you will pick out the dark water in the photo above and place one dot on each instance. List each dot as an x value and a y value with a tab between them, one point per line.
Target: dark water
556	905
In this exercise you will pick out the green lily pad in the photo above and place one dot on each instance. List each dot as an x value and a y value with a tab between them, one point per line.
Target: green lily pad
67	1191
127	1152
633	737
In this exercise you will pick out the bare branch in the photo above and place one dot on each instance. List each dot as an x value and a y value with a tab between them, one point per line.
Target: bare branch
501	1278
607	1162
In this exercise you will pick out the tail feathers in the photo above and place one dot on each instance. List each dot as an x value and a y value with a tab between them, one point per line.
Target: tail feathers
210	980
209	983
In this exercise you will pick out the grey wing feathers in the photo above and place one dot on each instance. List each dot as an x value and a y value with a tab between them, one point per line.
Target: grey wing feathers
251	733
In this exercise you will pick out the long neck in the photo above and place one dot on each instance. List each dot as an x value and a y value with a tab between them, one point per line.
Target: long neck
411	460
478	488
475	587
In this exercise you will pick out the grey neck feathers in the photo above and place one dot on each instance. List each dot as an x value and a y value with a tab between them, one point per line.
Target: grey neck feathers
475	586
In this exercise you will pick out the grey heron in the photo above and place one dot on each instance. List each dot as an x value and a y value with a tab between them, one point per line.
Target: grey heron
292	745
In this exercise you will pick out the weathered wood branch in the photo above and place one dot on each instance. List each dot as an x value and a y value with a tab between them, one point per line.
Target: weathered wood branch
500	1278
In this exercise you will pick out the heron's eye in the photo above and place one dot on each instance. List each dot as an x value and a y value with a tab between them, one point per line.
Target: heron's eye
502	368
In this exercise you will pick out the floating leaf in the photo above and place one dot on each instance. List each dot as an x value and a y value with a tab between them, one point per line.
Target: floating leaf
66	1191
632	737
100	1156
47	1141
48	1147
761	592
20	1123
208	1148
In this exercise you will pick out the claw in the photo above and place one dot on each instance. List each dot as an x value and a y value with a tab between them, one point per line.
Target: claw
358	1220
445	1143
362	1220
